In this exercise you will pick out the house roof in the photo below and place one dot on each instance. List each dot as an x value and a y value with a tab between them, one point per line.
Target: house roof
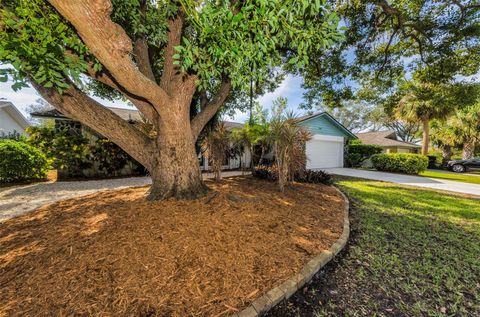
15	113
331	119
384	138
233	125
134	115
125	114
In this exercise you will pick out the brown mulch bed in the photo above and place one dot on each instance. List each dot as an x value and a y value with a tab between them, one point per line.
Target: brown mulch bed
115	254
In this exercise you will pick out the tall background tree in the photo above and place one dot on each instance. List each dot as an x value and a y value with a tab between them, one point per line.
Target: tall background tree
459	131
159	55
386	42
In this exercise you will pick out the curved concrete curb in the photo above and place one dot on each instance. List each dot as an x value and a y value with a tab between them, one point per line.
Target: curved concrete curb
267	301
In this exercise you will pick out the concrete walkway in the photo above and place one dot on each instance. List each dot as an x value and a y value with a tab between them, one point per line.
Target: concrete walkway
19	200
426	182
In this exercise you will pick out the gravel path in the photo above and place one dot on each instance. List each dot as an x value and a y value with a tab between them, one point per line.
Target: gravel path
19	200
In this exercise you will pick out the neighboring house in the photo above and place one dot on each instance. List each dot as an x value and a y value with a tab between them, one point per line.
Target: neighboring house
326	149
133	117
388	140
11	119
93	168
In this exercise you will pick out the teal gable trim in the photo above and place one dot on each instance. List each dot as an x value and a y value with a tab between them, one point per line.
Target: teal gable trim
325	124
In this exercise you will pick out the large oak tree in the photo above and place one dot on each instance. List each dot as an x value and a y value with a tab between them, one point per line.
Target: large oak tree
386	41
158	55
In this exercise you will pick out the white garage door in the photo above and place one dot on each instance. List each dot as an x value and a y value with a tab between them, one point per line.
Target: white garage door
324	152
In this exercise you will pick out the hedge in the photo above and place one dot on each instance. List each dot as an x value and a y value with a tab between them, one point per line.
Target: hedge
358	153
20	161
407	163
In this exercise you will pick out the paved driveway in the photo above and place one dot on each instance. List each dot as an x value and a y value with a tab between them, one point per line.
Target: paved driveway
19	200
427	182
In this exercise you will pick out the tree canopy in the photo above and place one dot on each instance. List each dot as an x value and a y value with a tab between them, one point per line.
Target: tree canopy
387	40
166	57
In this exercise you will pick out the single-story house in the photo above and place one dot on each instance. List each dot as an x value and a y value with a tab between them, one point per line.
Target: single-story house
326	149
11	119
133	116
389	141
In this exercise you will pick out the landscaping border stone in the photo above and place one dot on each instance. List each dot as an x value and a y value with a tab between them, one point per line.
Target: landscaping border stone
271	298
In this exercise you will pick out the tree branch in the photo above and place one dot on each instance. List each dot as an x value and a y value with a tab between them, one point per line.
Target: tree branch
389	10
174	37
110	45
203	100
76	104
140	48
385	60
141	104
201	119
140	51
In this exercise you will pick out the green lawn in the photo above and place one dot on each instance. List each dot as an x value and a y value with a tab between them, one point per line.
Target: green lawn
412	252
453	177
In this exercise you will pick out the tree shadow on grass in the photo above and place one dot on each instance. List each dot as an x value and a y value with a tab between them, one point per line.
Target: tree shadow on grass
407	256
409	199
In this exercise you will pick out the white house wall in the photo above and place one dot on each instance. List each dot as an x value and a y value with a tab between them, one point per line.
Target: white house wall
234	163
8	124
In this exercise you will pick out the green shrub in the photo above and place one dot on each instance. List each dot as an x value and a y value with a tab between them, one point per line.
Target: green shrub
20	161
315	177
271	173
407	163
357	153
110	157
67	149
268	172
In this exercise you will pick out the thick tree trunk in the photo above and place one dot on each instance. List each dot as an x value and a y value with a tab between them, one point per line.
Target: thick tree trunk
468	150
176	174
175	170
170	157
446	154
426	136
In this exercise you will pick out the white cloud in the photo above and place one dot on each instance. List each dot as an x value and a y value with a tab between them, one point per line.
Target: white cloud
239	116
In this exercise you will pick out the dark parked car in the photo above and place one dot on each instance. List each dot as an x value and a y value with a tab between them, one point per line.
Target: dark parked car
461	166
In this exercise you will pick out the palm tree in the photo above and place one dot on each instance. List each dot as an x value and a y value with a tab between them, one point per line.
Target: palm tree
216	145
242	139
426	101
444	137
462	129
288	140
466	127
422	104
252	136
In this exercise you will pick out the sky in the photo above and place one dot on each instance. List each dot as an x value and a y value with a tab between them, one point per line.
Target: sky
289	88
